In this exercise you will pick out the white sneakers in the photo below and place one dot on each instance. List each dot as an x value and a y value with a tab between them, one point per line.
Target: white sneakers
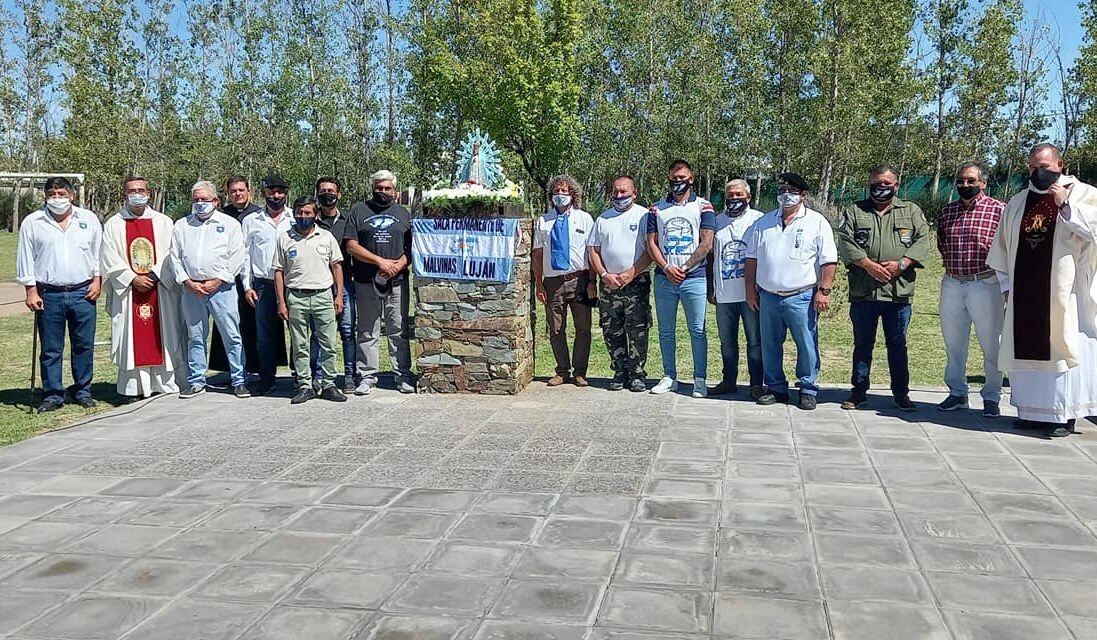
363	389
665	384
700	389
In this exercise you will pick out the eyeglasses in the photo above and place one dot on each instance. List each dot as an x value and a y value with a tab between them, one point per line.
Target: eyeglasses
967	181
781	190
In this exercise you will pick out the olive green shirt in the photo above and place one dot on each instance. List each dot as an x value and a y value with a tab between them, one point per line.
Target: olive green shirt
899	232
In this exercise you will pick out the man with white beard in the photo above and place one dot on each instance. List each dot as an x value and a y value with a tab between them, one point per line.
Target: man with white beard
1046	249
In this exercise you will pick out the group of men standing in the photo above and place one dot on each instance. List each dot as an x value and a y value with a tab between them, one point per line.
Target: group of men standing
1024	273
250	269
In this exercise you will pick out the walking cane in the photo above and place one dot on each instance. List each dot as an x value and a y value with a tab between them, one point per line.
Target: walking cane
33	360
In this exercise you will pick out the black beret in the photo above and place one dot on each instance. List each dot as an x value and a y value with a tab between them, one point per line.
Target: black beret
273	181
794	179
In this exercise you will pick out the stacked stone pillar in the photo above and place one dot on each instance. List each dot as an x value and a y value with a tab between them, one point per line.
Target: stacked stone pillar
475	336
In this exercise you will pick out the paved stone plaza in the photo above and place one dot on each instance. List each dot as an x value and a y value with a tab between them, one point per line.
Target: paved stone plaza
560	514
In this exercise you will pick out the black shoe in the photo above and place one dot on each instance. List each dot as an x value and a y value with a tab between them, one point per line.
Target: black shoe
1029	425
191	390
637	385
756	391
263	387
333	394
854	401
904	403
241	391
1060	430
808	402
769	398
349	385
86	402
616	384
725	387
52	404
304	395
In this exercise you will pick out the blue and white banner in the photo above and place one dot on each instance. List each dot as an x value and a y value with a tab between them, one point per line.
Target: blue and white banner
464	248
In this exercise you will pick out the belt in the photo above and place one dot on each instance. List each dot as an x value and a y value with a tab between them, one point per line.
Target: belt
791	292
567	277
986	275
308	292
53	288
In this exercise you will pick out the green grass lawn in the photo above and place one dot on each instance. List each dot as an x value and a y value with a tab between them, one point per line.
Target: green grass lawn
927	354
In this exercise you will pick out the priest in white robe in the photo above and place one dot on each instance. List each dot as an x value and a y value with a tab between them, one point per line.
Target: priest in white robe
143	296
1046	254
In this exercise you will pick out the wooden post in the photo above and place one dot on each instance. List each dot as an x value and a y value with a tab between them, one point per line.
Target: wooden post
17	190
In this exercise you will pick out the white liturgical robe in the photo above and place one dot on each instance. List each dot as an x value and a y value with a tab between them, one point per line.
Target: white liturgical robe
1063	385
118	275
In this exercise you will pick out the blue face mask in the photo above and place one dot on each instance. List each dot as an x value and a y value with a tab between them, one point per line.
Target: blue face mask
304	224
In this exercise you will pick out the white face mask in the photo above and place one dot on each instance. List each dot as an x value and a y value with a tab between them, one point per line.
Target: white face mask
561	200
58	206
136	200
789	200
202	209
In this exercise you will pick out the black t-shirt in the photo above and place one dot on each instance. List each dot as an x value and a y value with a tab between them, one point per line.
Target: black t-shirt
338	228
238	214
383	231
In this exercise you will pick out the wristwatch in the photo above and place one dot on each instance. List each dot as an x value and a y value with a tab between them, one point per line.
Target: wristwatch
903	264
825	291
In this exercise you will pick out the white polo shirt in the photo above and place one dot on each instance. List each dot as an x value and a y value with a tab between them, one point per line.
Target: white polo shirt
678	230
48	254
621	237
729	255
580	225
261	239
789	258
213	248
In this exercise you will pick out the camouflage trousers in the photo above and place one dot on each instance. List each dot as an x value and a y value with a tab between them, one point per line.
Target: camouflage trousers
625	318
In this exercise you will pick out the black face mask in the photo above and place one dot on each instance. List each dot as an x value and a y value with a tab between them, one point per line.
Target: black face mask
1042	179
967	192
736	208
327	199
881	194
275	204
678	187
382	199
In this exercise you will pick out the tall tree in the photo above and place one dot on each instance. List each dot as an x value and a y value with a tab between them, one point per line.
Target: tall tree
945	20
985	88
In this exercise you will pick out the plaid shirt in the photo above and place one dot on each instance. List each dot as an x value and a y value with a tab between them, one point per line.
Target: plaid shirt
964	236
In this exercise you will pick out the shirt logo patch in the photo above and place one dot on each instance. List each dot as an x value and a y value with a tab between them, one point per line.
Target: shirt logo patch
906	236
220	228
860	236
292	253
633	227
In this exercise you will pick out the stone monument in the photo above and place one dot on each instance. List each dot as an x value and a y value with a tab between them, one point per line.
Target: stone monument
472	326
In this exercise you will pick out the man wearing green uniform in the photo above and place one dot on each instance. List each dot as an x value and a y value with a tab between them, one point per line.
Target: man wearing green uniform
883	240
307	271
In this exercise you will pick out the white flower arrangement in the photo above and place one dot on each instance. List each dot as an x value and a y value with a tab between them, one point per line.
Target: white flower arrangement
467	194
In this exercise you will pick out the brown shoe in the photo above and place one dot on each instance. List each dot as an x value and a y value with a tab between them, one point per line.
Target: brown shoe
556	381
580	381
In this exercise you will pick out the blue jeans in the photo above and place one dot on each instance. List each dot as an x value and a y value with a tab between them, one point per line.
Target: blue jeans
347	334
222	305
267	329
694	296
781	315
728	315
895	316
72	310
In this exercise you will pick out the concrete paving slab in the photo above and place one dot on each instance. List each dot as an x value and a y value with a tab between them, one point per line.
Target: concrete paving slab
615	518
